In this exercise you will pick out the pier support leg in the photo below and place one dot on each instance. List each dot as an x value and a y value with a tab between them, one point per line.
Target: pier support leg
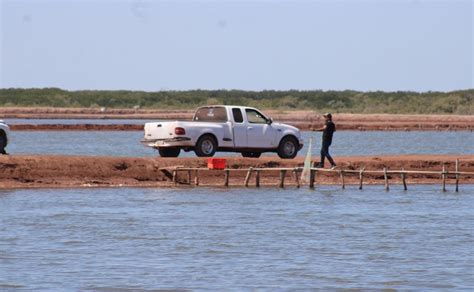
385	177
404	180
361	178
343	183
226	178
312	177
257	178
196	177
175	176
189	176
297	179
457	175
282	178
247	178
443	177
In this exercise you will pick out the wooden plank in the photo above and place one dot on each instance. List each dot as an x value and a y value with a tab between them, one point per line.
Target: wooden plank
167	173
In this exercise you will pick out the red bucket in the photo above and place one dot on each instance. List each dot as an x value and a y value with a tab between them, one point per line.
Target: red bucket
216	163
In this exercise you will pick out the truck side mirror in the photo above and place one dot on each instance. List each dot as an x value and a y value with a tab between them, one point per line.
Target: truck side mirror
270	121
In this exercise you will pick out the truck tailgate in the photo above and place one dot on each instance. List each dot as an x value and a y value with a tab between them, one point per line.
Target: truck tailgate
159	130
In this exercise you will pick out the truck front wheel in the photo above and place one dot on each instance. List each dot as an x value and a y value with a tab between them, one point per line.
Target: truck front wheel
288	148
169	152
206	146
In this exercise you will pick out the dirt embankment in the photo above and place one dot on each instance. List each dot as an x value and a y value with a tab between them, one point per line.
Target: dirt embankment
305	120
80	171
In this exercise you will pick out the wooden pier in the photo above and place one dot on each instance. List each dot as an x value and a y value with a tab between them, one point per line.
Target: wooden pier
193	175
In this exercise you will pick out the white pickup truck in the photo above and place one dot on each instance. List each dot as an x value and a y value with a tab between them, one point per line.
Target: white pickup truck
224	128
4	136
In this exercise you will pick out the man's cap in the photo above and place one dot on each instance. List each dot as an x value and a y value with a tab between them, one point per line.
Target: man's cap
328	115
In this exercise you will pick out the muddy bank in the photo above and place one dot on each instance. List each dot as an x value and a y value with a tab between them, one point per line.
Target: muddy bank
78	171
305	120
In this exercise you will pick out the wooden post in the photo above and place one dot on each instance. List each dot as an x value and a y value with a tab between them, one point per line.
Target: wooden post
385	177
282	178
297	179
361	178
257	178
457	175
196	177
189	176
226	178
175	176
443	176
312	174
247	178
341	173
404	176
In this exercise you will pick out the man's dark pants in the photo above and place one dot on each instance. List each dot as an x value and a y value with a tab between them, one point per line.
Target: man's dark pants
325	153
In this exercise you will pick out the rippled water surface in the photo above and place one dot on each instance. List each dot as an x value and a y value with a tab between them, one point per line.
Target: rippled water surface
346	143
105	239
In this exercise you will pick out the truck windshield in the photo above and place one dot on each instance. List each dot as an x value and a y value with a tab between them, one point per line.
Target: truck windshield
211	114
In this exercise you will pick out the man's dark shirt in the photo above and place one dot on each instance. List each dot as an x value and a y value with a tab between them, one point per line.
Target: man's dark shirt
328	132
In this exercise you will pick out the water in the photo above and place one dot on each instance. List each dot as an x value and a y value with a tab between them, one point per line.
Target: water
105	239
78	121
346	143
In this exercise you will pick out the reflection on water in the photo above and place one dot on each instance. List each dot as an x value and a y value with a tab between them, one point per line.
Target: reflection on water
203	238
113	143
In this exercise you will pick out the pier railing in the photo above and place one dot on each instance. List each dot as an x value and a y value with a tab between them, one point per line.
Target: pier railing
194	174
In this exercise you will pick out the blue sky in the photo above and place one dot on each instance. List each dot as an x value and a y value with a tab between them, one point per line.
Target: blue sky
251	45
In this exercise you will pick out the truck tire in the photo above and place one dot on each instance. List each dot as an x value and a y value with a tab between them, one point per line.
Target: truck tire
3	142
206	146
252	154
288	148
169	152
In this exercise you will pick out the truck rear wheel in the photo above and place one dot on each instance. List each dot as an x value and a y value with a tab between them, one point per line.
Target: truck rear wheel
288	148
206	146
251	154
169	152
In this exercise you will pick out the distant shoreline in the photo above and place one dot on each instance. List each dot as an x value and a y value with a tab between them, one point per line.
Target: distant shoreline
336	101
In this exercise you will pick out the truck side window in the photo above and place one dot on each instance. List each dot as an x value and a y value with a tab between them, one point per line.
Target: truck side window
211	114
255	117
237	113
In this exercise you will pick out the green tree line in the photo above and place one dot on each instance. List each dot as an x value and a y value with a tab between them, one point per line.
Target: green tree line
347	101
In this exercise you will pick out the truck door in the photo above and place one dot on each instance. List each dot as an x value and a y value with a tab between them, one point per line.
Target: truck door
260	133
239	128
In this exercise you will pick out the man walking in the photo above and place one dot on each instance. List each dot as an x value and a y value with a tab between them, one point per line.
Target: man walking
328	131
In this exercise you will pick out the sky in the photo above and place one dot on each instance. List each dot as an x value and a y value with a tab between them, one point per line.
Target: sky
250	45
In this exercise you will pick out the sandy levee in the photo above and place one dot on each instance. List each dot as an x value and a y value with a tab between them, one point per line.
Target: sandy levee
49	171
305	120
